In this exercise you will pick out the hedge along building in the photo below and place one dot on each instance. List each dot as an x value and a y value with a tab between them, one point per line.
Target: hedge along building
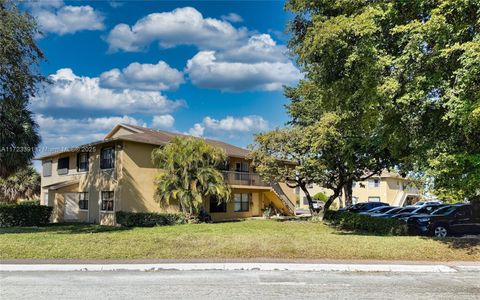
93	181
388	187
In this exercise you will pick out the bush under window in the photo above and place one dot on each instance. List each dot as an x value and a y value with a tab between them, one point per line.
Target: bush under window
143	219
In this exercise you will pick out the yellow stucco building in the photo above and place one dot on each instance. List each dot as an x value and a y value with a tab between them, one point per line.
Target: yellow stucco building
388	187
93	181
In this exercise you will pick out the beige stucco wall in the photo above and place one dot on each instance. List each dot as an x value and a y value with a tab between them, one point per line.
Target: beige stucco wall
93	182
391	190
132	181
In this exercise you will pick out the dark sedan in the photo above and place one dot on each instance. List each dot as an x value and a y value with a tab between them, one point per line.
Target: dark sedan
388	213
449	220
377	210
364	206
422	210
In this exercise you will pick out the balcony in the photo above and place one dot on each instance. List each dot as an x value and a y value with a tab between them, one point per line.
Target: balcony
243	178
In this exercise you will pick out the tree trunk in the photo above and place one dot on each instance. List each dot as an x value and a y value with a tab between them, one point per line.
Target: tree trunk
348	192
332	198
303	186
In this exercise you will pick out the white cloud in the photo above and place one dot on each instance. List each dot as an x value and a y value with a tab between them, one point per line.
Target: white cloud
182	26
71	91
163	121
258	48
206	71
138	76
229	125
66	132
232	17
55	17
196	130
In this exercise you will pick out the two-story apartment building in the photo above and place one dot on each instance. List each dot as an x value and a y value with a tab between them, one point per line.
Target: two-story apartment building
93	181
388	187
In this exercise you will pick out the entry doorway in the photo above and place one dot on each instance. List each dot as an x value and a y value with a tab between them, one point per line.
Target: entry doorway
71	206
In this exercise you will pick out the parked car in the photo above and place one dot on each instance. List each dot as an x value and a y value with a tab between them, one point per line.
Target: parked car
426	209
404	210
388	213
364	206
422	203
318	205
448	220
377	210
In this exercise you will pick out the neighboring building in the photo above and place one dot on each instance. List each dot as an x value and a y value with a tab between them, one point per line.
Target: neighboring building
92	182
388	187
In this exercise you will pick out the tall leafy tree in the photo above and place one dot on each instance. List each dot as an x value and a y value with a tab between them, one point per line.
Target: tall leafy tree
23	184
189	174
19	79
402	77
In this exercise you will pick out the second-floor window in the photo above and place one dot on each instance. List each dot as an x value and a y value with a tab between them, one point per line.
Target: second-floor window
62	165
107	158
82	162
373	183
47	168
241	167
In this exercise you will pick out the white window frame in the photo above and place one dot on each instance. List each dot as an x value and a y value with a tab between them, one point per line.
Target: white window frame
249	197
101	200
374	183
88	201
374	197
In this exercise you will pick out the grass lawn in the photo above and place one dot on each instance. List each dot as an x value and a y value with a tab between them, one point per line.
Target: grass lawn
248	239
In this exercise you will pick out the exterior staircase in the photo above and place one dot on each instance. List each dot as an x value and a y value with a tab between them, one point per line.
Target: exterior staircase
289	205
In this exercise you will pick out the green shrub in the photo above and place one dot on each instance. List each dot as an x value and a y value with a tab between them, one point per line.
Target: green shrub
143	219
24	215
30	202
320	197
365	223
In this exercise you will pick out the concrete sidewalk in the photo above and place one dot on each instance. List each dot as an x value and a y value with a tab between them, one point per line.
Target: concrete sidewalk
414	267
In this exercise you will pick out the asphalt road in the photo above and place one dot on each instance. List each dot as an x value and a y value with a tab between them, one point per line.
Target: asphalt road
238	285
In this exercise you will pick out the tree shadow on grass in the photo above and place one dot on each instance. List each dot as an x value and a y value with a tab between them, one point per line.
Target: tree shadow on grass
469	243
64	228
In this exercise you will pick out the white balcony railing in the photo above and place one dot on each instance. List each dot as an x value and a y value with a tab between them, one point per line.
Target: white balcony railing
243	178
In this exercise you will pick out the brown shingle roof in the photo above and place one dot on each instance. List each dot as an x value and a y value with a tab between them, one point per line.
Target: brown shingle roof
160	137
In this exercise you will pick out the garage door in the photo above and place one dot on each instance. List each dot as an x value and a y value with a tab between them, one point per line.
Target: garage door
71	206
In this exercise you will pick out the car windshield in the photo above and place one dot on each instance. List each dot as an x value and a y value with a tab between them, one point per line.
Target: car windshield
445	210
426	209
380	209
358	205
394	210
407	209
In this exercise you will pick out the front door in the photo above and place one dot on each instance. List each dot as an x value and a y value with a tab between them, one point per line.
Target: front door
71	206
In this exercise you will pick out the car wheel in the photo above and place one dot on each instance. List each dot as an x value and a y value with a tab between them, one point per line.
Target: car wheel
440	231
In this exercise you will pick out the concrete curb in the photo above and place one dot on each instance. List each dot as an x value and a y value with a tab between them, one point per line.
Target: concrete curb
242	266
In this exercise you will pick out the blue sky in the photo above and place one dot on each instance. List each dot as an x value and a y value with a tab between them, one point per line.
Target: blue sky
207	68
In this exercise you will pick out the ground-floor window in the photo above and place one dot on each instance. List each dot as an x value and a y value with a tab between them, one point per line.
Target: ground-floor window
373	199
215	207
45	197
107	201
83	201
305	201
242	201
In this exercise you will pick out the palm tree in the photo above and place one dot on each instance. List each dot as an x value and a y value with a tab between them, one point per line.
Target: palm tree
189	173
24	184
